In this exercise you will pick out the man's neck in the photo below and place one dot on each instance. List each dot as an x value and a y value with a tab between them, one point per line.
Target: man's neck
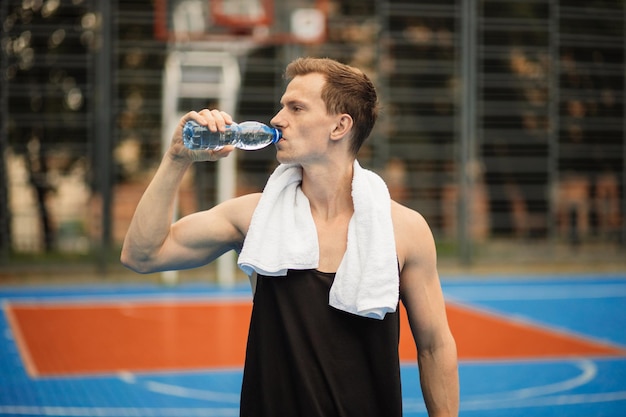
329	189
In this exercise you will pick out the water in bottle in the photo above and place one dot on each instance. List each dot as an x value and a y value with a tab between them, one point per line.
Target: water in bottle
246	135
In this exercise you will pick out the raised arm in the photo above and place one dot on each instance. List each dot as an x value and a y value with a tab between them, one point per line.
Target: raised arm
421	294
153	243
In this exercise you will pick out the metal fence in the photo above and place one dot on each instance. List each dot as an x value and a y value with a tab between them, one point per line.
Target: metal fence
502	123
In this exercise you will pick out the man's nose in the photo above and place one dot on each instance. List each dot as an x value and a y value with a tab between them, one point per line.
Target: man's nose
277	120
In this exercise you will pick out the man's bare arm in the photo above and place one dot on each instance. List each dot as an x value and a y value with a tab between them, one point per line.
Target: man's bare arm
153	243
421	294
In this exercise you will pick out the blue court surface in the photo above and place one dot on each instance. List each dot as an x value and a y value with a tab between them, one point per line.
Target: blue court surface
591	308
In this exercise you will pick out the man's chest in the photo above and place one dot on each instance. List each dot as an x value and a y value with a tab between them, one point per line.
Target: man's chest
332	239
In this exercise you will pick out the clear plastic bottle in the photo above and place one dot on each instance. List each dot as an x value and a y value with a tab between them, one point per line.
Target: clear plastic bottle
248	136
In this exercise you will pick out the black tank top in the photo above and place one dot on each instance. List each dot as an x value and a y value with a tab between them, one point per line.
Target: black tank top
307	359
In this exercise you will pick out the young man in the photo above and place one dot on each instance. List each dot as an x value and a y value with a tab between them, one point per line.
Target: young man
306	356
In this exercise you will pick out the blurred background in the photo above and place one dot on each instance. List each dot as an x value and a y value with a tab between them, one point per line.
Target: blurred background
502	121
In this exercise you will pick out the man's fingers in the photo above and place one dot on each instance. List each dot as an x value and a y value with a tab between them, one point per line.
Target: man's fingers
211	155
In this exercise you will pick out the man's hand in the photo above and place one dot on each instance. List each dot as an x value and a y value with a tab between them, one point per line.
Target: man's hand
214	120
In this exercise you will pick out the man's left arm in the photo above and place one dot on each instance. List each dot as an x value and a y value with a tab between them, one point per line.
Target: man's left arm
421	294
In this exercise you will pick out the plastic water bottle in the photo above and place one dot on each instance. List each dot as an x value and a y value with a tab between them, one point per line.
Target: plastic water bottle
248	136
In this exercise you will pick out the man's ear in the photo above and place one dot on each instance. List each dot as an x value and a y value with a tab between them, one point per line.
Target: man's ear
343	126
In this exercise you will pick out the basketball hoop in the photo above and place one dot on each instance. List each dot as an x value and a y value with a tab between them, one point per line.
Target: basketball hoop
261	21
242	13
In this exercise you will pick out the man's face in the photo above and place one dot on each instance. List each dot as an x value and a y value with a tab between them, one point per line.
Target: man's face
304	121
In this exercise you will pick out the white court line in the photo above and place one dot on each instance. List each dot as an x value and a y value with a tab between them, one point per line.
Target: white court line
554	400
131	294
16	333
107	299
589	372
19	410
537	396
180	391
532	322
534	291
192	393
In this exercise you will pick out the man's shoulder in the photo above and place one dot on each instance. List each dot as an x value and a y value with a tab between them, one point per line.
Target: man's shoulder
244	203
411	230
405	216
239	210
250	200
415	243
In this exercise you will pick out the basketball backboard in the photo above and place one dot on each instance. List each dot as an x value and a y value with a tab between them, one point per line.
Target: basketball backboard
264	21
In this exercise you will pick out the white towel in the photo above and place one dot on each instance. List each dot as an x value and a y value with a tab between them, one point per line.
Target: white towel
282	236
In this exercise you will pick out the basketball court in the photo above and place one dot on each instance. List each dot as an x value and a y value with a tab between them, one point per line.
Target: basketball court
528	346
531	346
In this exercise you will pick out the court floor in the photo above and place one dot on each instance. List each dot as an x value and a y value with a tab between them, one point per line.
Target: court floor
528	346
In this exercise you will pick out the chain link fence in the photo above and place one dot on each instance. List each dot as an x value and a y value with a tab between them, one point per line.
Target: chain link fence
502	123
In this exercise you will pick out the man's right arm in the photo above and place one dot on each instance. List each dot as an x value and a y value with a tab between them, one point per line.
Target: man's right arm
153	243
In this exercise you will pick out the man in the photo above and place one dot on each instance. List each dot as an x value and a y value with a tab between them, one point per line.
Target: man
305	357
